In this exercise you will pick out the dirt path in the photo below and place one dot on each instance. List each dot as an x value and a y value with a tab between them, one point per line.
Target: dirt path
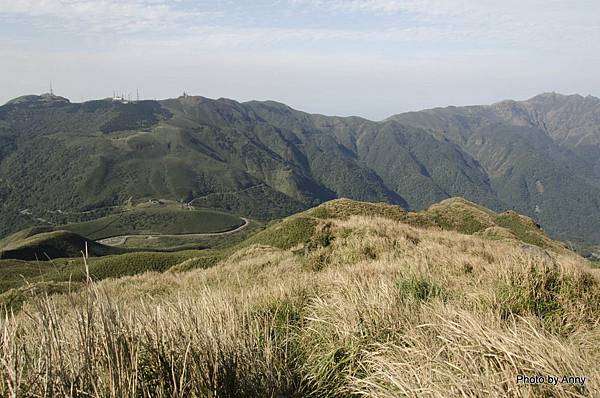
121	239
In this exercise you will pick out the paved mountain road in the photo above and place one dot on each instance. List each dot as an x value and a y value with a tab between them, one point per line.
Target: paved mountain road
121	239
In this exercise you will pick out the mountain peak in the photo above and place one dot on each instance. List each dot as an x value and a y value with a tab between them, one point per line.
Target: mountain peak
45	99
550	95
553	97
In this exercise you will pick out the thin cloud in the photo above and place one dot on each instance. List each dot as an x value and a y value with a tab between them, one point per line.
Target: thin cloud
123	16
232	24
368	57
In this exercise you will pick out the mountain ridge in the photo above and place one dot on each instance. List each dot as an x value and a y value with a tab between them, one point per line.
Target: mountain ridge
281	160
277	103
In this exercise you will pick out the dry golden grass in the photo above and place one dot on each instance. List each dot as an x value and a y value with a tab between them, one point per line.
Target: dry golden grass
369	307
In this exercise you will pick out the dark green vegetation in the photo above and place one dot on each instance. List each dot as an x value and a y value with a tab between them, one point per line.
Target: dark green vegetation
55	244
159	220
183	242
62	163
541	156
21	272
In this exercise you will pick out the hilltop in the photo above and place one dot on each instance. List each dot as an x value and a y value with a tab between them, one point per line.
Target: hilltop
55	244
454	214
345	299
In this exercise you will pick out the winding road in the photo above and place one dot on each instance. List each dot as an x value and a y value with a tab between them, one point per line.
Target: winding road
121	239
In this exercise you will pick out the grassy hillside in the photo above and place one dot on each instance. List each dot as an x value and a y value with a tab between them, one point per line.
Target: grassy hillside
296	233
167	220
13	273
454	214
24	234
52	245
347	299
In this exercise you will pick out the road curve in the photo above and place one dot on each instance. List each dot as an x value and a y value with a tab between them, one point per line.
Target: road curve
121	239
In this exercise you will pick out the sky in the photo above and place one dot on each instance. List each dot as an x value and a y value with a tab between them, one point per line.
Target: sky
371	58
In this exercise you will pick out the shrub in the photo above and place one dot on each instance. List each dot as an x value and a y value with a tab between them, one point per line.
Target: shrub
419	289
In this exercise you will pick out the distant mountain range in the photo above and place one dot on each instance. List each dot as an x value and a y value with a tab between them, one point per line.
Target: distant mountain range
62	161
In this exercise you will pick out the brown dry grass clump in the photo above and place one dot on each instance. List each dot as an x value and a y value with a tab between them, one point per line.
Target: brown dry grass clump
368	306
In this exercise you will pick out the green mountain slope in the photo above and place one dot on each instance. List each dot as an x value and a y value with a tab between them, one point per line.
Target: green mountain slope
540	156
264	160
419	168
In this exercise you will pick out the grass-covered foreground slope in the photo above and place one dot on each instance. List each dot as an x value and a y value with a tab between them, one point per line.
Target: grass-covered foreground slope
347	299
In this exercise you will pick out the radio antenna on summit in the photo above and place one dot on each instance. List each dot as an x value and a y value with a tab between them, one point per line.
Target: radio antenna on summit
51	91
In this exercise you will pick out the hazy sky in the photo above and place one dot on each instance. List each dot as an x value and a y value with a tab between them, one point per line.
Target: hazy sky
371	58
